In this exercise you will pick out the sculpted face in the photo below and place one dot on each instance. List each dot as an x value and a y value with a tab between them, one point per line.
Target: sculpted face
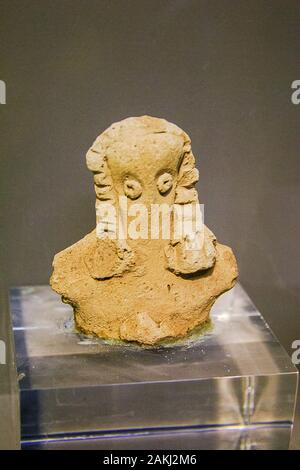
149	162
147	171
143	164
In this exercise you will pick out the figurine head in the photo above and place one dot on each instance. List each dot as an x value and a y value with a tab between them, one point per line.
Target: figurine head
149	161
146	159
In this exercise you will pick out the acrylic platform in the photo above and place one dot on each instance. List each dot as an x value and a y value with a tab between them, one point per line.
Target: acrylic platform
234	387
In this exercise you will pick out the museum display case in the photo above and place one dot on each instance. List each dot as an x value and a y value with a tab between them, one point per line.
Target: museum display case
149	247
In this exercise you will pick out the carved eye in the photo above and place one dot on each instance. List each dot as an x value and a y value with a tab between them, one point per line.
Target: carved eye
164	183
132	188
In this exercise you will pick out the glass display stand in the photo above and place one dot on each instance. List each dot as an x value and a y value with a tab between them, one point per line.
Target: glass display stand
9	392
233	387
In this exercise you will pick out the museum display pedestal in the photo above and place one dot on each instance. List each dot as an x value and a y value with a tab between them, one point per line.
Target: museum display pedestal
233	387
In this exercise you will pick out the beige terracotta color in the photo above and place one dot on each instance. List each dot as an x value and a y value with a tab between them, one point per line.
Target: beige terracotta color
150	288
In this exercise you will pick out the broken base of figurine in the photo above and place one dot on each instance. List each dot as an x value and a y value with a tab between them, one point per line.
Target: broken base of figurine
148	305
195	335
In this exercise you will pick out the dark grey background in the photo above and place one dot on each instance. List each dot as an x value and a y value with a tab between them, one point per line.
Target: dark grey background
220	69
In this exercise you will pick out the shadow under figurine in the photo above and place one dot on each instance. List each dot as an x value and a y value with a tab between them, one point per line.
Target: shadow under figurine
134	277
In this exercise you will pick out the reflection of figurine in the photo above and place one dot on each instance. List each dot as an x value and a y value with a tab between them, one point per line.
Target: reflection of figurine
151	270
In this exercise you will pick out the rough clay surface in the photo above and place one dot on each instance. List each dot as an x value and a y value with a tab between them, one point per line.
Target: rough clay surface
142	290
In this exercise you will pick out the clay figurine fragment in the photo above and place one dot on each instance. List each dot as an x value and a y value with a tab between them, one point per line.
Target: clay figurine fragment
151	270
